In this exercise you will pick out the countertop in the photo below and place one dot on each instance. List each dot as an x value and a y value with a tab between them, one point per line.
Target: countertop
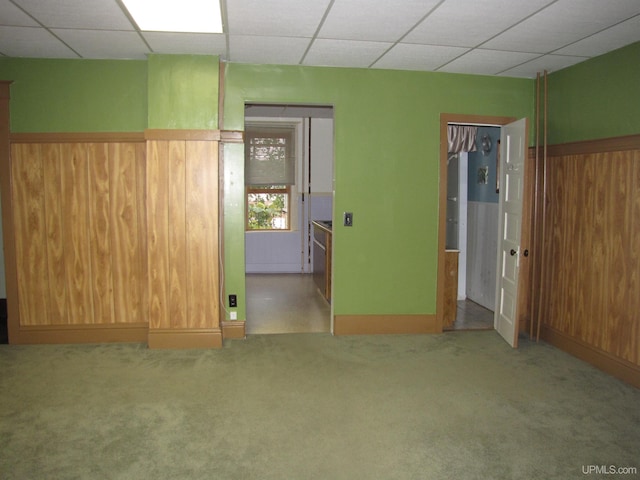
326	225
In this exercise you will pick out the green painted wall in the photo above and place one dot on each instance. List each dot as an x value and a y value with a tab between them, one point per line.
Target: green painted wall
386	171
596	99
76	95
183	92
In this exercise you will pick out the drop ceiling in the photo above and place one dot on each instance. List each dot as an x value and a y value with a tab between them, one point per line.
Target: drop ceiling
515	38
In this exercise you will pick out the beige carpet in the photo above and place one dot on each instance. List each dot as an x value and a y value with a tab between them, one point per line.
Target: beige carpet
312	406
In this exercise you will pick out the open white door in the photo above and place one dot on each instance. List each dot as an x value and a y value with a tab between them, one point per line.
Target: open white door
512	157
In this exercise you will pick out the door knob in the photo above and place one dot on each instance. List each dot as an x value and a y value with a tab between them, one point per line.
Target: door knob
526	253
513	252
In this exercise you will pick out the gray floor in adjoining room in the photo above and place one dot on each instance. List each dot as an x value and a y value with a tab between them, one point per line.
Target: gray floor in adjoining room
285	303
291	303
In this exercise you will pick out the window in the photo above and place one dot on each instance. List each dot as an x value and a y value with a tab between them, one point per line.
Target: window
269	175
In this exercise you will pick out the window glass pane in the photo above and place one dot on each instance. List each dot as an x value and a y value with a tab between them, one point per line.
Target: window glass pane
268	211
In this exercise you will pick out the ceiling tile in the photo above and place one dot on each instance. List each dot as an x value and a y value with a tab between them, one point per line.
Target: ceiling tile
83	14
278	18
471	22
104	43
605	41
549	29
344	53
406	56
487	62
277	50
32	42
551	63
373	20
11	15
186	43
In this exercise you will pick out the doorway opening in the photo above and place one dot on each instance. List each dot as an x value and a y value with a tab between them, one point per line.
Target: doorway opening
281	294
472	228
467	217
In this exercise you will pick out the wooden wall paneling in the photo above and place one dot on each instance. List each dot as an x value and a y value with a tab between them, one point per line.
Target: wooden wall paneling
579	218
615	336
158	233
30	233
99	205
634	259
202	234
177	248
58	298
128	277
592	263
75	201
142	259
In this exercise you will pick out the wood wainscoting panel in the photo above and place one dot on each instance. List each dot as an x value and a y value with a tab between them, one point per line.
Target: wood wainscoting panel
99	232
182	188
76	214
128	232
158	233
28	199
202	234
177	208
591	261
56	267
80	235
385	324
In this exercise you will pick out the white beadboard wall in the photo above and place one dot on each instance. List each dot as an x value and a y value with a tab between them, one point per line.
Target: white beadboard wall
482	245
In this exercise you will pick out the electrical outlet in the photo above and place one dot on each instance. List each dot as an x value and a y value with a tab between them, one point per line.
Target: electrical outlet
348	219
233	301
233	315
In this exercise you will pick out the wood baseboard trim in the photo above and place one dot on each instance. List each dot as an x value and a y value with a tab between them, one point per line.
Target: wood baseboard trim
90	333
384	324
625	371
185	338
233	329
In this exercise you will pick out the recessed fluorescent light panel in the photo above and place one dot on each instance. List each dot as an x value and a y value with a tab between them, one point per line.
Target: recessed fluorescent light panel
194	16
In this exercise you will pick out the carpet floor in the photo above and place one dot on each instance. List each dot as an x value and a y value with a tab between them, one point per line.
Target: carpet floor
313	406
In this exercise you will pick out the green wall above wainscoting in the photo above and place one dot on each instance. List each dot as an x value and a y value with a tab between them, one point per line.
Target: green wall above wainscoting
596	99
183	92
72	95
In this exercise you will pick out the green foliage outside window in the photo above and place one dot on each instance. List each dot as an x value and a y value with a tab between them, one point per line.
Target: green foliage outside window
266	210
